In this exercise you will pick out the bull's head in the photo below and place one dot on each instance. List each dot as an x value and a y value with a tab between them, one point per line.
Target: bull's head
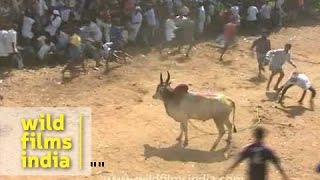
162	86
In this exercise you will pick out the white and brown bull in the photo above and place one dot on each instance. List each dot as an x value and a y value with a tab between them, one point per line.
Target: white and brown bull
182	105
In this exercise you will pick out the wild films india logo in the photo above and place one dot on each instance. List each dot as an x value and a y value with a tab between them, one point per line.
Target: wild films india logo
45	141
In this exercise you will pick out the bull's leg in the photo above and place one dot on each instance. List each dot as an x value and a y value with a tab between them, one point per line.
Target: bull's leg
185	130
229	126
221	130
179	138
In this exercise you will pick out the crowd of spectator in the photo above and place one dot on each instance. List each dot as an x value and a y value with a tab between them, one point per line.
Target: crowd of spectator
72	28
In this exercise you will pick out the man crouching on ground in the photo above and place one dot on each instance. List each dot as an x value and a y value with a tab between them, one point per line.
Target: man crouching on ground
301	80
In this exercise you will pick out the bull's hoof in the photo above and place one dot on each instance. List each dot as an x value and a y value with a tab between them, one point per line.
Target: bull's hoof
179	139
228	141
213	148
185	144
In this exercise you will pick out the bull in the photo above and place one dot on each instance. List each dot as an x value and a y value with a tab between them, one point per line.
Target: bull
182	105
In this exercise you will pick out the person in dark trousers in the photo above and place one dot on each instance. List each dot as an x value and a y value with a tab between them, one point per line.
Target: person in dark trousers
258	155
318	168
301	80
262	45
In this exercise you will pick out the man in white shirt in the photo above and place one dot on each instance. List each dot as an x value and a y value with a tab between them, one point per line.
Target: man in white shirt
169	32
301	80
27	26
54	24
265	12
44	50
135	24
252	19
10	47
277	59
235	12
150	26
279	4
201	18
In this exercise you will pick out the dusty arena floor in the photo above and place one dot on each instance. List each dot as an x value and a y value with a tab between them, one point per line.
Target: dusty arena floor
133	135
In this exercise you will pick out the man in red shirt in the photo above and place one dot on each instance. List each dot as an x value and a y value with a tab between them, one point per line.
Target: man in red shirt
229	35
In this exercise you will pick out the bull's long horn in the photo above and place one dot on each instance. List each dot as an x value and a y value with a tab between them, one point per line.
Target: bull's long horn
168	77
161	79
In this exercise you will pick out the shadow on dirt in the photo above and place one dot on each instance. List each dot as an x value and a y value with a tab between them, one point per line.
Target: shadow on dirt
258	80
294	111
271	96
177	153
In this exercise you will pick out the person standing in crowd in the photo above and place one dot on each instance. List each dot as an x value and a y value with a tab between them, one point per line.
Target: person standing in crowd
301	80
252	19
277	59
265	13
151	23
10	46
185	33
169	32
104	22
258	155
95	31
27	33
281	13
39	11
135	24
230	30
235	13
262	45
54	24
200	19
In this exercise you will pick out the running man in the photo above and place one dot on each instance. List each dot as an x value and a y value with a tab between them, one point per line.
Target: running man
277	59
262	45
301	80
318	168
229	36
258	155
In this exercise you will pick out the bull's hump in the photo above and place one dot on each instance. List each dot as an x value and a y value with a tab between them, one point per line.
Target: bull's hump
181	89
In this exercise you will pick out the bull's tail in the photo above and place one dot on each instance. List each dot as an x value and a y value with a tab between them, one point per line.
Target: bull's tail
234	114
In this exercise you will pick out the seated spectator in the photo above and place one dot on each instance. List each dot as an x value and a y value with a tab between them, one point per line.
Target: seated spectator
46	47
62	40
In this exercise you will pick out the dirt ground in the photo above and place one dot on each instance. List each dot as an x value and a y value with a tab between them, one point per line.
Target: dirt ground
133	135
